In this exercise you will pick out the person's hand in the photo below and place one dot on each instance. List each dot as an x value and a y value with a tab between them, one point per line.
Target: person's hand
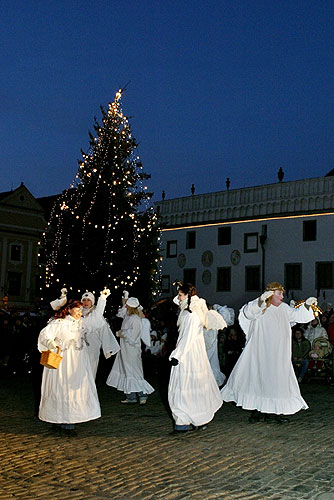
174	361
51	345
266	295
311	301
63	292
125	294
105	292
119	334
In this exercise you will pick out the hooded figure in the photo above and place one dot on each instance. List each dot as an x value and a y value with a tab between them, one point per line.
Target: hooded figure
263	379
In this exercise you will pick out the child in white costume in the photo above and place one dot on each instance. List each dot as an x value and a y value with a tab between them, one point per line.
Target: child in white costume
211	341
127	372
193	393
98	332
68	394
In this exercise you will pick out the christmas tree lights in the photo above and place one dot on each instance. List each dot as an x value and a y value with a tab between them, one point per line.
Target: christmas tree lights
102	230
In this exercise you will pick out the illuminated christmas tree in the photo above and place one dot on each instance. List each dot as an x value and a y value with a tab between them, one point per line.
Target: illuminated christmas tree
102	230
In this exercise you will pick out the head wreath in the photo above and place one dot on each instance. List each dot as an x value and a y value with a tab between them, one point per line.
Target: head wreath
275	286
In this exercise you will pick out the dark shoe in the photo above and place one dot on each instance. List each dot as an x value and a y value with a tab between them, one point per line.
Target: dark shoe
56	429
69	432
199	427
179	433
255	417
271	418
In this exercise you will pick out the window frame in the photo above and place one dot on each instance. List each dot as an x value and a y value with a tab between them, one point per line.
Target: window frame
11	248
169	254
248	268
247	248
189	235
10	281
165	283
307	223
220	235
190	269
229	280
300	266
319	286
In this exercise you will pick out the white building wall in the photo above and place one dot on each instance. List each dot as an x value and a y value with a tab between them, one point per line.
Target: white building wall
284	243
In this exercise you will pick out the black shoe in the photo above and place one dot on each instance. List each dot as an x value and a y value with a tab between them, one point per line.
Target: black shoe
56	429
69	432
179	433
271	418
255	417
195	428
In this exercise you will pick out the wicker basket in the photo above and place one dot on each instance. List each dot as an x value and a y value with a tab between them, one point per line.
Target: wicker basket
51	359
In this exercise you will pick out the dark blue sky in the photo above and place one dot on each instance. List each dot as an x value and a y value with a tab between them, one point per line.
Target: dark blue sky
218	89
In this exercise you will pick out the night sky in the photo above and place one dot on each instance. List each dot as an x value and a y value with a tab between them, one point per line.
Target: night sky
217	89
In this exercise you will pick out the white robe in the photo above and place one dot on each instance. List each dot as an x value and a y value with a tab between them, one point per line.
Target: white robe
68	394
98	334
263	378
211	346
193	393
127	372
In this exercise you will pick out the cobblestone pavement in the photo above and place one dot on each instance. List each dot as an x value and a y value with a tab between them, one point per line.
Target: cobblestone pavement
129	454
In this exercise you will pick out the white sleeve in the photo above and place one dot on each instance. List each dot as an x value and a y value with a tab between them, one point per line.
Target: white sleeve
101	305
48	333
121	312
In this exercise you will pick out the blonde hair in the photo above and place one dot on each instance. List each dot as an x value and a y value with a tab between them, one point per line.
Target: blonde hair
275	286
133	310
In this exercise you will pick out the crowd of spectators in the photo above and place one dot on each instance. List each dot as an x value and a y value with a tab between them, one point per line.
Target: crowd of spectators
312	347
19	332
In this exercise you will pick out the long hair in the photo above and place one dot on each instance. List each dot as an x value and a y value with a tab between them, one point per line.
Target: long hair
189	290
64	311
133	310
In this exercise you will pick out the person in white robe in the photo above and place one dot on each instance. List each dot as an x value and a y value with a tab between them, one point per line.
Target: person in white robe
263	379
193	394
211	341
127	372
98	332
68	394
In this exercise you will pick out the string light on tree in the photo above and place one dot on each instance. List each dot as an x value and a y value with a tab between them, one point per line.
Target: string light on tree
103	225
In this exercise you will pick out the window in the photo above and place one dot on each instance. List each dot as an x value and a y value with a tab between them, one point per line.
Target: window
165	283
189	276
324	275
293	276
223	279
224	236
252	276
14	283
190	239
15	252
171	248
251	242
309	230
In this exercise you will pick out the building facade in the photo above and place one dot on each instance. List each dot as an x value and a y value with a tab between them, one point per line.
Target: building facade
21	225
231	243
